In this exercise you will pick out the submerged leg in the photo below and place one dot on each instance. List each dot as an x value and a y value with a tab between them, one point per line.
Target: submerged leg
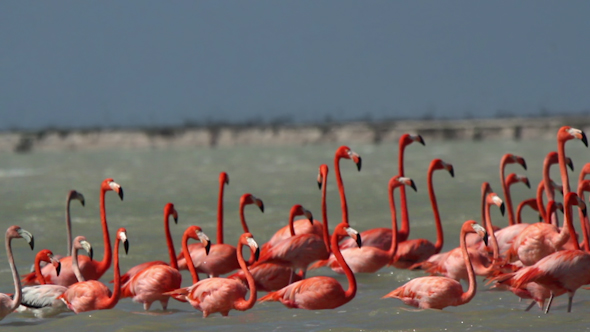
530	306
569	302
549	304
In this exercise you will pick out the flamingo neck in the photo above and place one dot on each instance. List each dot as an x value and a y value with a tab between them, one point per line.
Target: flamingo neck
569	223
340	185
292	222
547	181
68	226
540	204
243	304
567	231
492	235
16	279
38	274
439	230
404	232
506	191
220	214
325	232
351	291
76	265
189	260
467	296
562	167
108	253
111	301
169	241
243	218
393	247
583	222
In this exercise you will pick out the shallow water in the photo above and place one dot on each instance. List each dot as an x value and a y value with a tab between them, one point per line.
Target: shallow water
34	186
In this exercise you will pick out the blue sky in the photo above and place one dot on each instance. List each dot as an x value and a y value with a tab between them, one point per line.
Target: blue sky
144	63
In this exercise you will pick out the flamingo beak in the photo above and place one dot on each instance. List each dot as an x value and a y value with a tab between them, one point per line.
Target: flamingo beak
320	181
126	246
451	170
482	232
522	162
120	192
227	179
205	241
569	162
584	139
175	216
56	263
27	236
86	245
418	138
254	247
117	188
354	234
309	216
260	204
502	208
540	218
526	182
81	199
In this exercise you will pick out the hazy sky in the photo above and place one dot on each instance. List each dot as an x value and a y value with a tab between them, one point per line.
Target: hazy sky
127	63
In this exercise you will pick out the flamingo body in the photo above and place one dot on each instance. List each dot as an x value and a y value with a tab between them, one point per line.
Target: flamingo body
148	285
314	293
430	292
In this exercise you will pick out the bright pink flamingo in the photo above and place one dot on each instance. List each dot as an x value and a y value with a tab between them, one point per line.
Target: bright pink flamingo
404	141
509	158
370	259
94	295
9	303
91	270
565	134
299	250
550	159
302	226
439	292
413	251
146	282
222	258
562	271
221	294
72	195
272	276
321	292
42	300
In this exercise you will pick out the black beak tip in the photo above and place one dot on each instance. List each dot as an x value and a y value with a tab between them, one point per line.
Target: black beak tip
413	185
91	253
584	139
528	184
540	218
452	171
358	240
261	207
121	193
421	140
485	239
359	164
83	203
176	220
524	164
502	208
584	212
58	269
257	254
32	243
571	165
207	248
320	185
126	246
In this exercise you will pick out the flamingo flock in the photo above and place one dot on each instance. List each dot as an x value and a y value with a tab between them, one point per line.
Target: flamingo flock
535	260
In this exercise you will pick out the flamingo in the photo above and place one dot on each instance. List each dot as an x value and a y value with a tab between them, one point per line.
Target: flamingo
302	226
370	259
413	251
91	270
42	300
9	303
299	250
321	292
509	158
562	271
222	258
550	159
92	294
565	134
222	294
583	186
439	292
72	195
146	282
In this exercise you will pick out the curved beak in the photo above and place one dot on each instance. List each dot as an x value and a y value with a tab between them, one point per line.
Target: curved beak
86	245
569	162
27	236
260	204
80	197
354	234
117	188
408	182
56	263
584	139
175	216
254	247
309	216
482	232
418	138
451	170
526	182
498	201
205	241
356	159
521	161
502	208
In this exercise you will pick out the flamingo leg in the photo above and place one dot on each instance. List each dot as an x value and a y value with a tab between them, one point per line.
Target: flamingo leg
146	306
530	306
549	304
569	302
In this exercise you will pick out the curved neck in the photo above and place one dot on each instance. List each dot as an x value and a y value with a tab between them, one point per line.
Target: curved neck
540	204
243	218
242	303
111	301
220	213
169	241
393	247
17	285
583	222
508	202
467	296
439	230
108	254
325	232
567	231
404	231
340	185
38	274
292	222
562	167
189	260
76	266
68	226
492	234
547	181
351	291
569	223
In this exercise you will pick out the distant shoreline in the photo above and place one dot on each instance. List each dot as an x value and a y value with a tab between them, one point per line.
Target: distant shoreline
512	128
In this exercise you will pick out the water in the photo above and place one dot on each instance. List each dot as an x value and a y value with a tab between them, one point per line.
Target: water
34	187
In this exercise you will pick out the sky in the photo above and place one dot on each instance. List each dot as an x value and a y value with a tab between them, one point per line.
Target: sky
137	63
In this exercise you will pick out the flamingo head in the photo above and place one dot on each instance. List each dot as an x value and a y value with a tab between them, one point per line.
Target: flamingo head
110	184
493	198
251	199
195	232
557	186
248	239
583	186
510	158
223	178
566	133
477	228
169	210
76	195
345	152
322	175
299	210
486	188
354	234
572	198
513	178
407	139
46	255
398	181
17	232
122	236
437	164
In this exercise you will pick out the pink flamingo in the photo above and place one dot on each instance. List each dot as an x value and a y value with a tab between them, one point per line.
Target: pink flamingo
146	282
585	226
91	270
562	271
370	259
509	158
72	195
221	294
565	134
440	292
583	186
94	295
413	251
272	276
320	292
42	300
222	258
550	159
302	226
9	303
